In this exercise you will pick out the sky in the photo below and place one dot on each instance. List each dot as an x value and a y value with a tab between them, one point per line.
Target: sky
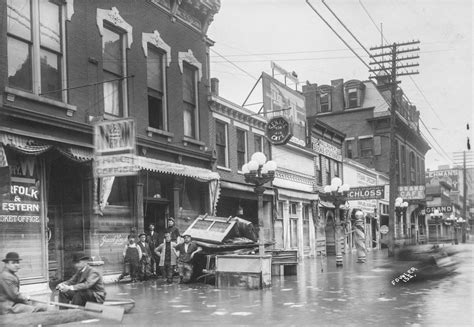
249	34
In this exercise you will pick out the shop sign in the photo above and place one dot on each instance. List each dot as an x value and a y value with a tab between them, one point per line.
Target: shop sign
412	192
114	136
114	144
278	130
449	176
384	229
366	192
441	209
326	149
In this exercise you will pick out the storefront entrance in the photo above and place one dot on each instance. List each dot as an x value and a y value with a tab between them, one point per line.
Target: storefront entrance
156	212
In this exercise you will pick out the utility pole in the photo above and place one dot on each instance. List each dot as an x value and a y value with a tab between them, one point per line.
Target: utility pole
391	67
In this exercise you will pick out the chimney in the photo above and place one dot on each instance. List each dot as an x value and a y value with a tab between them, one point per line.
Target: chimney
337	99
215	86
310	95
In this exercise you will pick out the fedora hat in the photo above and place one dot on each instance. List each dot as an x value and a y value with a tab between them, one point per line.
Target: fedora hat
80	257
141	235
11	256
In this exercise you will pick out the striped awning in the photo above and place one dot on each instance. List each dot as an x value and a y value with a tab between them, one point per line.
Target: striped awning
172	168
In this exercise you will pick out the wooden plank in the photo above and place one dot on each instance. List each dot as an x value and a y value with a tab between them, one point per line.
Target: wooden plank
53	317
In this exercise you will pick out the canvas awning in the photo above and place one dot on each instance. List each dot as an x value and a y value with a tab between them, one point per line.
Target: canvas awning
172	168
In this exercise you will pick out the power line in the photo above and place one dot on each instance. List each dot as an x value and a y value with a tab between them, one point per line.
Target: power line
233	64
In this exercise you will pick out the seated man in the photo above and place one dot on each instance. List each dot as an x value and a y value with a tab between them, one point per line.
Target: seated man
85	286
11	300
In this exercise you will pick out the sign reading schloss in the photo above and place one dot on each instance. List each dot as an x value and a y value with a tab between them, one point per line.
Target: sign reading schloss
114	144
412	192
441	209
366	192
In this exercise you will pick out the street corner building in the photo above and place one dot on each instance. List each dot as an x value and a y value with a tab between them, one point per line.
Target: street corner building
136	72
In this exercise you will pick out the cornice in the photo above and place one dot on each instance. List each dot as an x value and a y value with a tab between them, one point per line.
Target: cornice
238	114
169	148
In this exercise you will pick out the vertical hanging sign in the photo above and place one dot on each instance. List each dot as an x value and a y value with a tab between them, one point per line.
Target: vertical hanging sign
114	148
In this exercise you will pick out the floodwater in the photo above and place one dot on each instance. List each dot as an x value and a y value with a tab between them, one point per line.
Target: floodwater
320	294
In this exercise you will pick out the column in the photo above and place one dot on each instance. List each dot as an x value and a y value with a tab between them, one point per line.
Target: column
337	234
299	213
139	216
286	225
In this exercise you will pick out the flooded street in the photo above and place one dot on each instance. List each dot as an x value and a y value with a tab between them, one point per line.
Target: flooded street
355	295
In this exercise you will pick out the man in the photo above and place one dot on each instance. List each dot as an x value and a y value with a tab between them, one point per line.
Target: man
11	300
153	242
145	258
86	285
173	230
167	254
187	250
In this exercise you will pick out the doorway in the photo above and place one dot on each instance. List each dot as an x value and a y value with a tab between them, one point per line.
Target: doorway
156	212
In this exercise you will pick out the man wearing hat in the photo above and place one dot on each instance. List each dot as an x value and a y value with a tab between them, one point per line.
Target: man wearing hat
187	250
86	285
11	300
146	257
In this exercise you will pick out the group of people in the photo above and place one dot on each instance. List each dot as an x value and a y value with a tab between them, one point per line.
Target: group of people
143	254
86	285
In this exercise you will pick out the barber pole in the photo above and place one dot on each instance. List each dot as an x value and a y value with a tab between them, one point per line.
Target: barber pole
360	237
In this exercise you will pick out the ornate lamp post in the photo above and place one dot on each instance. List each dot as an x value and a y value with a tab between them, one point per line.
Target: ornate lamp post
452	221
337	194
400	208
437	216
259	171
461	223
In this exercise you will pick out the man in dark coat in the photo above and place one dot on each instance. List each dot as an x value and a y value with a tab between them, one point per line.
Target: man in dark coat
86	285
146	256
11	300
173	230
153	241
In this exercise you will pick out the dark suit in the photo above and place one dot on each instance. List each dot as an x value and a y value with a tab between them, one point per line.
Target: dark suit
144	260
11	300
88	286
153	242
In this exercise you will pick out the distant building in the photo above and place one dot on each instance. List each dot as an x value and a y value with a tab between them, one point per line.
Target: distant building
361	110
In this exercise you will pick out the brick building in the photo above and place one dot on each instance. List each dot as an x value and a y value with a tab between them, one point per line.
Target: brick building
68	64
361	110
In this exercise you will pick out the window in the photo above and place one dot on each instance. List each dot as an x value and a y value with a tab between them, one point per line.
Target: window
35	47
319	170
336	169
258	143
241	148
293	207
324	102
403	165
190	101
221	144
328	170
418	176
306	213
353	98
349	149
157	113
113	66
366	147
412	168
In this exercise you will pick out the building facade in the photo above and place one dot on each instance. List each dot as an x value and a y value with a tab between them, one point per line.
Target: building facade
68	65
361	109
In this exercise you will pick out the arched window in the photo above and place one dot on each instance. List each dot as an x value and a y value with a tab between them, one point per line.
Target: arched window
412	168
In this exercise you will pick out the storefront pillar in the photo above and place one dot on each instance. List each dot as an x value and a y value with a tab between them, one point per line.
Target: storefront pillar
91	212
299	213
139	221
286	224
177	181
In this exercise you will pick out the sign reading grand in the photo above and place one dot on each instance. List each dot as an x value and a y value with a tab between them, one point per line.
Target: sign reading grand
366	192
278	130
441	209
326	149
114	145
412	192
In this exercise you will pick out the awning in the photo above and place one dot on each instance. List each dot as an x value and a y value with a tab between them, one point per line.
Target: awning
172	168
244	188
326	204
297	195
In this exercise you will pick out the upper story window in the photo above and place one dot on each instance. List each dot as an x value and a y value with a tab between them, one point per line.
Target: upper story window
403	165
191	69
350	149
325	98
35	47
319	170
222	144
336	169
366	146
241	148
157	53
293	209
116	38
258	143
328	170
157	115
353	93
412	168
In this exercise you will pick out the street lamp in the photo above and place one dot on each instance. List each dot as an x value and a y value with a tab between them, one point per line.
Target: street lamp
259	171
337	194
437	216
461	222
400	208
452	221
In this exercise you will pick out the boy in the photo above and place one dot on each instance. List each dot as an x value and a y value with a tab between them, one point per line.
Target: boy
131	259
